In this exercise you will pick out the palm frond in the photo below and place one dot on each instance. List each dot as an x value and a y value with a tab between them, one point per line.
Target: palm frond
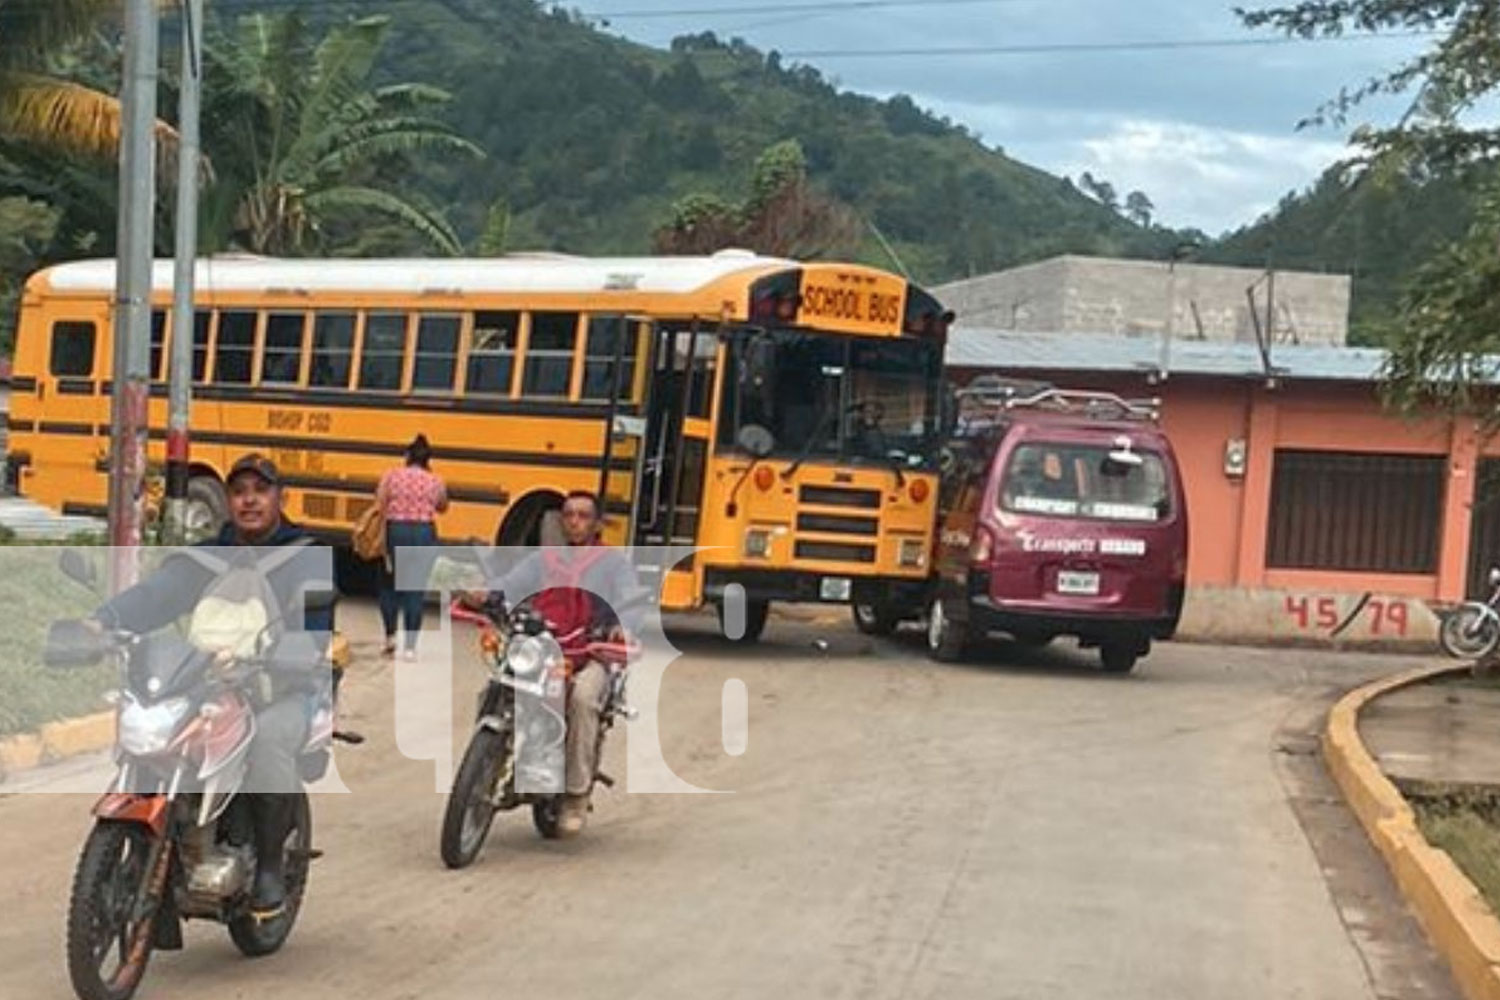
30	30
428	225
66	117
391	137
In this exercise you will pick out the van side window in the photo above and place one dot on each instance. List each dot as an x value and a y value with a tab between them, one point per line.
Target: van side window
72	349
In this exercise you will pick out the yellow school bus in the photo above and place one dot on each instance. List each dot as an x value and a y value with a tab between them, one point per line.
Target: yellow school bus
781	416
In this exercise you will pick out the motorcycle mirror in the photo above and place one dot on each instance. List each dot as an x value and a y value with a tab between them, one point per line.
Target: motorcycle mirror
76	568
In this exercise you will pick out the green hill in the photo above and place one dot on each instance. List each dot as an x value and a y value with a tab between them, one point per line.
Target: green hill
590	139
1377	232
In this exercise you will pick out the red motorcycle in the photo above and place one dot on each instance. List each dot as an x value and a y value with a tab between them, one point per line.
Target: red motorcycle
173	838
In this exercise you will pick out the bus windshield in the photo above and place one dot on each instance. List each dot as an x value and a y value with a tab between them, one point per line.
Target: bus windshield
823	396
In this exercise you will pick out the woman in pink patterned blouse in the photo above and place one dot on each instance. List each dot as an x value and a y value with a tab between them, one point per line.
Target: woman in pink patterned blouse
411	497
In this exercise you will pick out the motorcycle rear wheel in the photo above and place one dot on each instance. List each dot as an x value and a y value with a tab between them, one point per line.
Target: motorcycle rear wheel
1469	633
470	811
254	938
108	883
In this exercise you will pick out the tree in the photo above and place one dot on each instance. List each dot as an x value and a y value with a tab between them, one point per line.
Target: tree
1100	190
300	141
1139	208
1444	328
783	216
1446	81
39	107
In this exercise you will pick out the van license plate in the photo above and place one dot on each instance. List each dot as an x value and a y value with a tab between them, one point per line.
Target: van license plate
1077	583
834	588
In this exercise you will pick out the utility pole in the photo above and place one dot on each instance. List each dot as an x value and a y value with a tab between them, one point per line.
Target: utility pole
132	313
185	254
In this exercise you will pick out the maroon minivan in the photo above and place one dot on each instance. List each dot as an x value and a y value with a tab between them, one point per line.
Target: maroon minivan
1061	513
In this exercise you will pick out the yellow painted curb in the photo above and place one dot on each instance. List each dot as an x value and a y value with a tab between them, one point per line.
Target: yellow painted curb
1448	905
72	737
19	753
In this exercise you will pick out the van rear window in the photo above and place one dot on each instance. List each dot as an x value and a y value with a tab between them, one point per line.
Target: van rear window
1093	481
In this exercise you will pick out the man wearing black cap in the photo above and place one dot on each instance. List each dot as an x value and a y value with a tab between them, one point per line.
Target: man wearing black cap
288	689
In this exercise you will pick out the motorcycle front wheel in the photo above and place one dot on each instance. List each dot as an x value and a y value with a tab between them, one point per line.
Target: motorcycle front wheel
1469	633
255	938
471	810
110	917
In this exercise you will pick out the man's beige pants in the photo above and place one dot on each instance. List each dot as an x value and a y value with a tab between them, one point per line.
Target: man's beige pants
585	704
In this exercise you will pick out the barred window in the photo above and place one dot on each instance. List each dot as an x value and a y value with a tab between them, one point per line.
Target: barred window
1355	512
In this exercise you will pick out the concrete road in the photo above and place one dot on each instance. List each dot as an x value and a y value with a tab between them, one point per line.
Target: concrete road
1026	828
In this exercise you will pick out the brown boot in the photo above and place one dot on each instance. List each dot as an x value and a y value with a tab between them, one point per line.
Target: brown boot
571	816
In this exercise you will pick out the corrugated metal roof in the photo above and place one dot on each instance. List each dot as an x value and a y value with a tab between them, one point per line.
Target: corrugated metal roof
1089	352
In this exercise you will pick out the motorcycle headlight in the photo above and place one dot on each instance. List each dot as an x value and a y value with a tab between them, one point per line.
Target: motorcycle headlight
145	731
531	655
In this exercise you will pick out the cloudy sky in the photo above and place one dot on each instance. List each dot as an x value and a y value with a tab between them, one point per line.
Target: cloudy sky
1208	133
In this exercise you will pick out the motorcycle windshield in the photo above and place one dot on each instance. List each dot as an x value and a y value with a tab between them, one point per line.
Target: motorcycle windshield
165	665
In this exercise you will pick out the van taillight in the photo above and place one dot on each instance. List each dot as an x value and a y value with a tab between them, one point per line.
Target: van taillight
983	547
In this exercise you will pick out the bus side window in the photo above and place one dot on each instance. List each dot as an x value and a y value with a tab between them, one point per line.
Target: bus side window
437	353
384	351
282	364
492	352
235	349
332	350
158	343
599	357
549	354
202	320
72	349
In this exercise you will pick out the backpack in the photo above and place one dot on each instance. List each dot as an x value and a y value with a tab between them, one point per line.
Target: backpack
368	537
238	611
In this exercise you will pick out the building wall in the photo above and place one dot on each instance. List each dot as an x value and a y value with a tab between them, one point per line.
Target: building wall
1233	592
1135	298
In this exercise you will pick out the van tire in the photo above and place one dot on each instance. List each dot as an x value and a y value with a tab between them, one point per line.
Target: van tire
874	618
1119	657
947	640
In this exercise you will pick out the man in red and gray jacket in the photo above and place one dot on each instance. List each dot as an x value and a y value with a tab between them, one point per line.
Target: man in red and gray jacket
583	585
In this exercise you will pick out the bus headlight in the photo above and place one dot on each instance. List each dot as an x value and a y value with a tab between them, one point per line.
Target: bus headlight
757	543
911	553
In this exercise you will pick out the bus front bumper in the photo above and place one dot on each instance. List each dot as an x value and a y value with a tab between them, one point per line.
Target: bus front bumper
806	587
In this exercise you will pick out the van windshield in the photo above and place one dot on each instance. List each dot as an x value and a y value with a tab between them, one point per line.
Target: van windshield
1073	480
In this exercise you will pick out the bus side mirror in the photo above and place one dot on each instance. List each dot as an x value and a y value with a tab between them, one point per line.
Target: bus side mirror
756	440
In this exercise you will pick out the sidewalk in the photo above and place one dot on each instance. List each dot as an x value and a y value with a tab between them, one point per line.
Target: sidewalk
1442	732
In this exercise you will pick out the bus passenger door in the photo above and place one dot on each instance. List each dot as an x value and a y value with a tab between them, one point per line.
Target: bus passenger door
677	432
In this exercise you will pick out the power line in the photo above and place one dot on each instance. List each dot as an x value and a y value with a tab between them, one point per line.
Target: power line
785	8
1052	48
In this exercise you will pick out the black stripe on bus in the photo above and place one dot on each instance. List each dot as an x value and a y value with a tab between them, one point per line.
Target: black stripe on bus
52	427
366	487
75	386
18	426
22	383
367	399
72	509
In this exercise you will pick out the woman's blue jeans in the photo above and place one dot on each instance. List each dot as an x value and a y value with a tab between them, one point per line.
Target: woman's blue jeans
418	538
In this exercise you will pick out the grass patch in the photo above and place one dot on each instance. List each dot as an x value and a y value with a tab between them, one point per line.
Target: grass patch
1467	826
35	593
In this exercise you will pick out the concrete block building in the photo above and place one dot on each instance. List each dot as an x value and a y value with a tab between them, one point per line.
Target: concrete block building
1144	298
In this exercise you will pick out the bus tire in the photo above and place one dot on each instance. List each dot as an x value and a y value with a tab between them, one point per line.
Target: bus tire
523	525
207	508
756	613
